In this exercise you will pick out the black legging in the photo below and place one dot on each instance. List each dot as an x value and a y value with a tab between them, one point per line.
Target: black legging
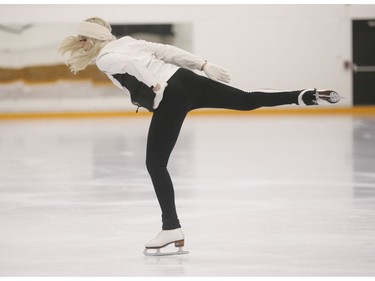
186	91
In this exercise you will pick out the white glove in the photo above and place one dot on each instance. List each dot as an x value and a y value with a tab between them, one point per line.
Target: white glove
159	95
216	73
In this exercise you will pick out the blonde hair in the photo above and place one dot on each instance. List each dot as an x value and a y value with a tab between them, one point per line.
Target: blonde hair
78	58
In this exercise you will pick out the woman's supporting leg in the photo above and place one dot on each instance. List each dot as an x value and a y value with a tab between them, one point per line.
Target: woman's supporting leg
163	133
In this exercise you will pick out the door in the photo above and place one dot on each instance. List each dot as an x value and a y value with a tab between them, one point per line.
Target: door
363	62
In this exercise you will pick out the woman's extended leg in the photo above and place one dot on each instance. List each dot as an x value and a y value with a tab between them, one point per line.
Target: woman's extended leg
207	93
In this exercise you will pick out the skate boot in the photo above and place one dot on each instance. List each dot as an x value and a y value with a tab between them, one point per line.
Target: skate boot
163	239
314	97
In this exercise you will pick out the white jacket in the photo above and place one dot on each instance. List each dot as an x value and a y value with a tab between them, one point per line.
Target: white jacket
151	63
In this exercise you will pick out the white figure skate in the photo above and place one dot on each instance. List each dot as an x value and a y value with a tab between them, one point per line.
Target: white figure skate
163	239
314	97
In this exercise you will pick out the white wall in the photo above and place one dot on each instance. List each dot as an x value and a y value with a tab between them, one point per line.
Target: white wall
262	46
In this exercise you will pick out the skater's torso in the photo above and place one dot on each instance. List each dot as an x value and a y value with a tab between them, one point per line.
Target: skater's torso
151	63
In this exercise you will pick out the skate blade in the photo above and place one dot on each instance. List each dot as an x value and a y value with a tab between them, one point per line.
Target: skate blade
333	97
160	254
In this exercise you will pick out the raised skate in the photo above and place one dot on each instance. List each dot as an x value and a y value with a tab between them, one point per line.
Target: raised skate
327	95
162	240
314	97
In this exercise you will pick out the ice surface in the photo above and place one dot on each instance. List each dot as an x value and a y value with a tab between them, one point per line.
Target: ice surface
256	196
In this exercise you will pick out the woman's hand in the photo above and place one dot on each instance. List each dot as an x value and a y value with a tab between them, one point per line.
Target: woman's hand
159	91
156	88
216	73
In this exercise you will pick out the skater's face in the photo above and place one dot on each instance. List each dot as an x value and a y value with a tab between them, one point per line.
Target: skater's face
86	44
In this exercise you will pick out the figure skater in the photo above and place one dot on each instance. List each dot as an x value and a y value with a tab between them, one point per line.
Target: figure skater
161	78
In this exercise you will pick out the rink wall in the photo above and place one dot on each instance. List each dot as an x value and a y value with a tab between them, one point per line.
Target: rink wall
262	47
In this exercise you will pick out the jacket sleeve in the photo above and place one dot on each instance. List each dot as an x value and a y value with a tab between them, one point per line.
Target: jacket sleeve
113	63
175	55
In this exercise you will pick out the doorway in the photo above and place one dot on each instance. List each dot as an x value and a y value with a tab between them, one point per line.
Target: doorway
363	62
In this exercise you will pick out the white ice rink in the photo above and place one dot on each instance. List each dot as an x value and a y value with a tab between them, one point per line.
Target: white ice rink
256	196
